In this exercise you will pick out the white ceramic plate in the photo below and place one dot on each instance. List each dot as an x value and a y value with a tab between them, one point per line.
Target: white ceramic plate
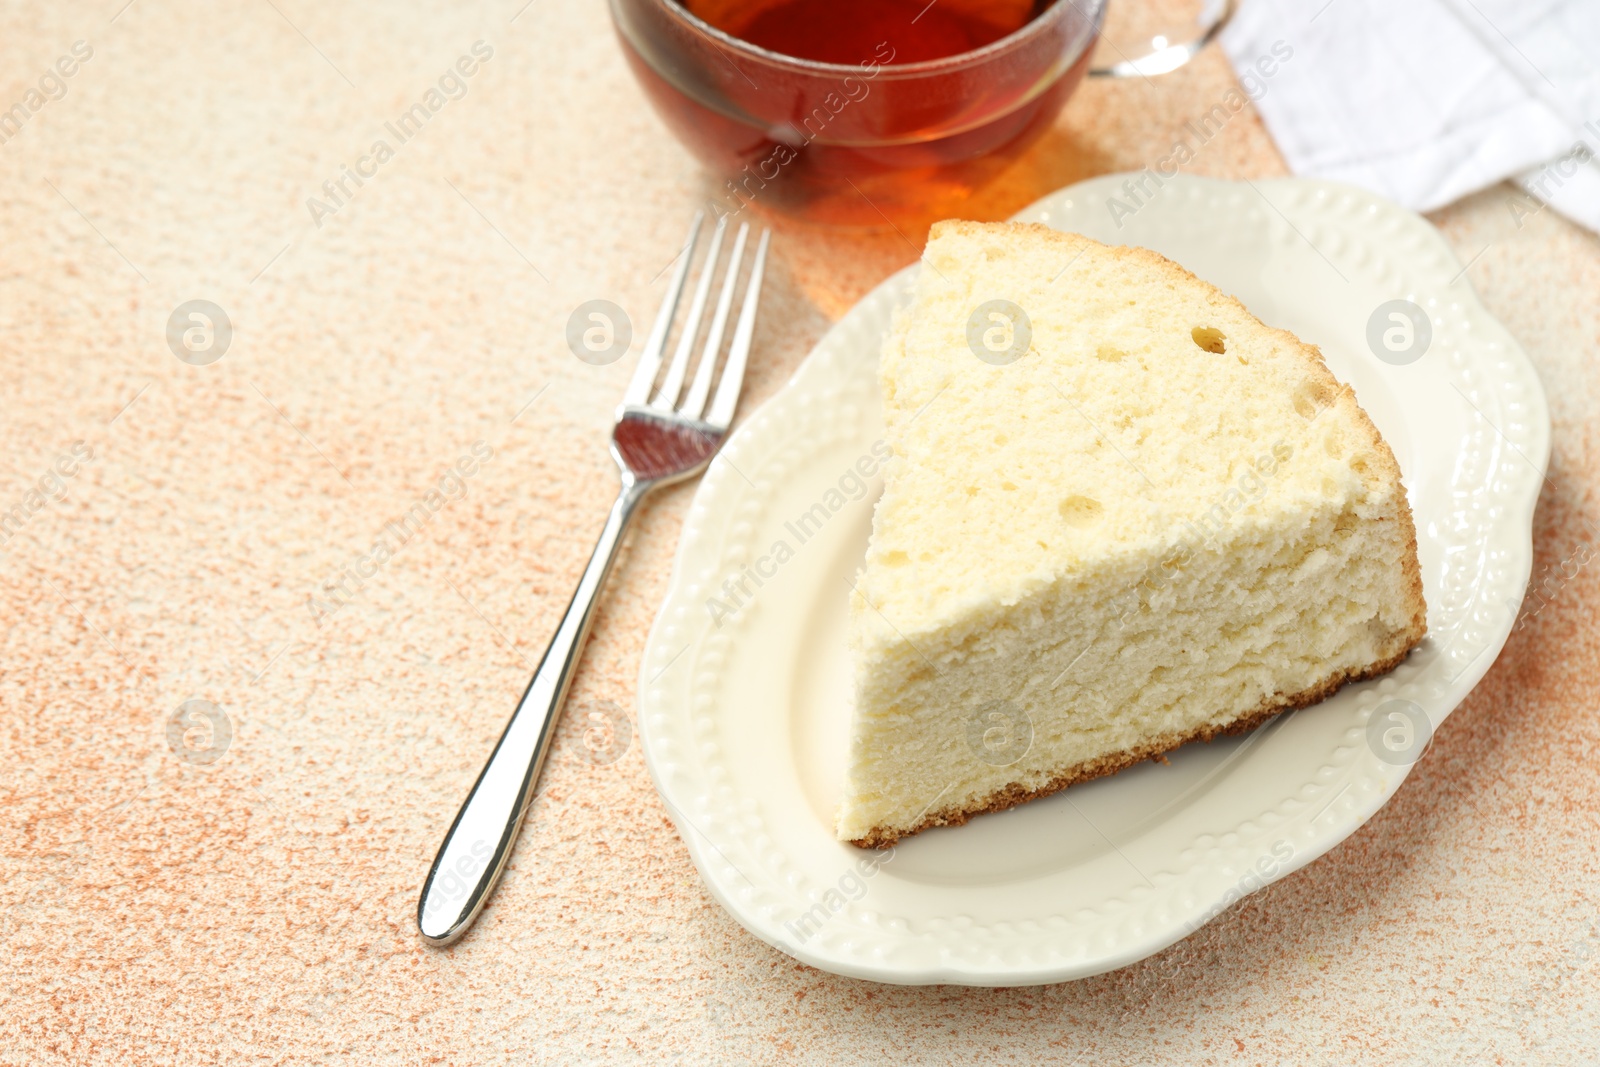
744	703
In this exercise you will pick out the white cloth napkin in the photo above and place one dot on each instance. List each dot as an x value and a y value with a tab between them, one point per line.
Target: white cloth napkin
1426	101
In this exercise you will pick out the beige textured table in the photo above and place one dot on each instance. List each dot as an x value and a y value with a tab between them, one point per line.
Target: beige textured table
259	908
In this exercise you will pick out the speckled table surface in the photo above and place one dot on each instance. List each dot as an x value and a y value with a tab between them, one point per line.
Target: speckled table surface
259	907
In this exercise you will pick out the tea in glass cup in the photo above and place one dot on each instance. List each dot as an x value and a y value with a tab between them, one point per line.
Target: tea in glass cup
866	113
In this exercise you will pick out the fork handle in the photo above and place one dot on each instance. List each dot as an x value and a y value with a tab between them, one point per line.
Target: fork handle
475	850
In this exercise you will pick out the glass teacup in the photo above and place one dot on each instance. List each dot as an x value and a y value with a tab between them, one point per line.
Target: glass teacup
874	141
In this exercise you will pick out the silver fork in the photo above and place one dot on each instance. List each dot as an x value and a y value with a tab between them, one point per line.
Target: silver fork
656	441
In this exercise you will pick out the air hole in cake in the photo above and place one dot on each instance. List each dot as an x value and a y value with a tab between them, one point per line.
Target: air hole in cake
1080	511
1382	635
1209	338
1109	353
1311	398
1008	487
1000	438
895	559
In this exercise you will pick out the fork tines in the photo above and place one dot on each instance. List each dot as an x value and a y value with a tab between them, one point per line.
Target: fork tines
666	396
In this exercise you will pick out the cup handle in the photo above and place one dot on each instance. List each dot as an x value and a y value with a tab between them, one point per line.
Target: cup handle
1164	57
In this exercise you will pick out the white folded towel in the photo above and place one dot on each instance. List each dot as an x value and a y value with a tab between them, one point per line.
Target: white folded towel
1426	101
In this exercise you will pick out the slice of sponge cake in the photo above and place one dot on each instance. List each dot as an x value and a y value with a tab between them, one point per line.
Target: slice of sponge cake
1122	514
